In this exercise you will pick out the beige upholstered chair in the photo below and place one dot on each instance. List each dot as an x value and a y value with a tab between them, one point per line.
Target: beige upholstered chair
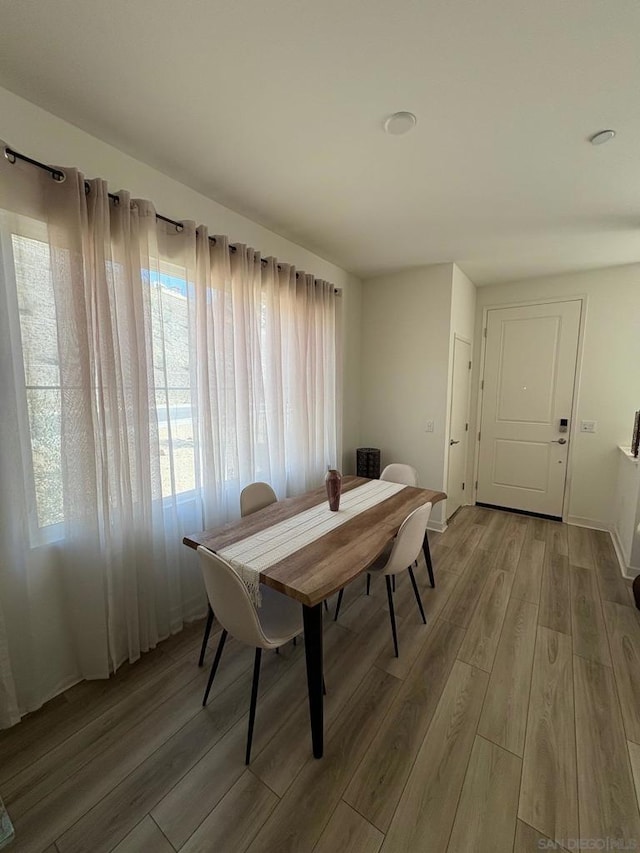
253	497
256	496
398	472
405	550
278	620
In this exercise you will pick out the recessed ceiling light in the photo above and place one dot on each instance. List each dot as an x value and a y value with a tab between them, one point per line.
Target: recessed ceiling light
400	123
602	136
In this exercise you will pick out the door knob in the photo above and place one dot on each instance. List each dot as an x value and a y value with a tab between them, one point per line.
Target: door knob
451	441
559	441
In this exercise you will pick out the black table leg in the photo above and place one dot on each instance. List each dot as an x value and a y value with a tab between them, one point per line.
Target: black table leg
312	617
427	557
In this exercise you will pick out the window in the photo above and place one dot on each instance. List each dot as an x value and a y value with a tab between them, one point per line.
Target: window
36	306
269	391
171	307
171	353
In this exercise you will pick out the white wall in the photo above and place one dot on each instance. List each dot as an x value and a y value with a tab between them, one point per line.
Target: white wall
626	524
405	368
609	390
352	370
463	321
463	305
43	136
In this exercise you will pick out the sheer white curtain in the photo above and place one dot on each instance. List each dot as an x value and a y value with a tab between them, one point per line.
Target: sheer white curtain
300	349
147	374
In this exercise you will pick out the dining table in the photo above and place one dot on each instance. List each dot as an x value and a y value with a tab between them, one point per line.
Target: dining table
346	547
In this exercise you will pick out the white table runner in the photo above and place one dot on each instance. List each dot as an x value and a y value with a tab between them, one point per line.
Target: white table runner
256	553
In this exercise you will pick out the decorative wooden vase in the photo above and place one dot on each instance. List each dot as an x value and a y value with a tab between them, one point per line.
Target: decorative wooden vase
333	482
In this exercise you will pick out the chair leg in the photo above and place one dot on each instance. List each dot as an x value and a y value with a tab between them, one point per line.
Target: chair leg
214	666
326	606
205	639
324	687
417	594
340	594
254	700
392	615
295	642
368	582
427	557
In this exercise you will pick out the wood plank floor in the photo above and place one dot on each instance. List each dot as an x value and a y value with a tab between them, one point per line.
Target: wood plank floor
510	722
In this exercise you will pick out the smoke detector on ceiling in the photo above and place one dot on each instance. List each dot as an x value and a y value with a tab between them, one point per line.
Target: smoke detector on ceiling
400	123
601	137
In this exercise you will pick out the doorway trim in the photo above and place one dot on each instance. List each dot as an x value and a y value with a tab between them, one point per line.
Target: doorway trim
471	492
523	303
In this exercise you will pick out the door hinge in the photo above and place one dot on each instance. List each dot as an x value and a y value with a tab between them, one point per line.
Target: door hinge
469	365
485	331
466	427
482	385
463	487
479	434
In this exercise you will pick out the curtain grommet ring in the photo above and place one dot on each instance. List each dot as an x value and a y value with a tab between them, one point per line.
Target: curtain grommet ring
58	176
9	155
179	227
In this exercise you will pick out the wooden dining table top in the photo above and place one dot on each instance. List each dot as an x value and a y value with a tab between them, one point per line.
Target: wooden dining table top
329	563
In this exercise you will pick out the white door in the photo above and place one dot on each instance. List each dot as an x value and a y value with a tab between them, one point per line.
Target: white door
459	425
529	375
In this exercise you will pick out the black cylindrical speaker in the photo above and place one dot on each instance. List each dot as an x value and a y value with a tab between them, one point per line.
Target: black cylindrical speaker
368	462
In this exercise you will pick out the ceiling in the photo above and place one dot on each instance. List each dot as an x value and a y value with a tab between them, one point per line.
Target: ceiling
275	109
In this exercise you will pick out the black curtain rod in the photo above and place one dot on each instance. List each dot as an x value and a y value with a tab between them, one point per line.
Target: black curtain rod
12	156
60	176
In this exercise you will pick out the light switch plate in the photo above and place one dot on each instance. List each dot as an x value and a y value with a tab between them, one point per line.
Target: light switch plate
429	426
588	426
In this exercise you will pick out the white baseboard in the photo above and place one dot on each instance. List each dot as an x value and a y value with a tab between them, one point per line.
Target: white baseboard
593	523
437	526
625	570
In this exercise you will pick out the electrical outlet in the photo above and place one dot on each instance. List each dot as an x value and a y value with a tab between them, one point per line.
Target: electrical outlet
429	426
588	426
